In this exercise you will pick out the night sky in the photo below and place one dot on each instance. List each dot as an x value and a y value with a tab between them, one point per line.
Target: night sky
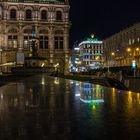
101	17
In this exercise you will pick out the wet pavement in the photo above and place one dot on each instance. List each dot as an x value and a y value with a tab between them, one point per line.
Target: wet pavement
51	108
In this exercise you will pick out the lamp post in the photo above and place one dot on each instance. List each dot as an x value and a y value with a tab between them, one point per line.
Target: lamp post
129	55
128	49
137	49
134	67
137	53
132	54
113	54
113	58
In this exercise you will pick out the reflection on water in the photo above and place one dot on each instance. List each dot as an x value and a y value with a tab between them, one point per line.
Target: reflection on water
54	108
35	109
89	93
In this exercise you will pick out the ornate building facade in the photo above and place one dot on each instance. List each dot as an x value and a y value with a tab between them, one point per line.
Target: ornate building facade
91	51
50	20
123	48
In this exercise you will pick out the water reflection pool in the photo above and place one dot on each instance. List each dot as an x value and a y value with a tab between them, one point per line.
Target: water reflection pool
43	107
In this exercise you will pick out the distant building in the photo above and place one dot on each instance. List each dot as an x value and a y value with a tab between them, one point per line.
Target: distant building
90	54
50	20
123	48
75	60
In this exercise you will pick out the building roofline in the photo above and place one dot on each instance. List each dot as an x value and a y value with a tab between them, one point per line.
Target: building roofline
36	1
131	27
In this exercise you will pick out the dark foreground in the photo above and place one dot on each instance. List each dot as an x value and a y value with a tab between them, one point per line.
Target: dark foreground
47	108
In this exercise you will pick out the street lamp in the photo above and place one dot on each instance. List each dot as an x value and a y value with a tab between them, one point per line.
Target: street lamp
113	54
129	55
113	58
137	49
97	58
128	49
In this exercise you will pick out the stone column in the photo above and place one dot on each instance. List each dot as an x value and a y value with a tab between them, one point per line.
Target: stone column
0	35
0	12
66	49
2	40
66	42
20	37
51	45
5	14
5	40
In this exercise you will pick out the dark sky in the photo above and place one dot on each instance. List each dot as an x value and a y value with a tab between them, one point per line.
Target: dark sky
101	17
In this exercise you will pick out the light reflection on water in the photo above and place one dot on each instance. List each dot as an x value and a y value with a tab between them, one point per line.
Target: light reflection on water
89	93
50	108
115	115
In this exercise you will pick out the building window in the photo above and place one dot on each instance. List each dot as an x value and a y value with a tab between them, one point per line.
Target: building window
58	15
27	41
12	14
130	42
12	41
58	42
28	14
43	15
43	42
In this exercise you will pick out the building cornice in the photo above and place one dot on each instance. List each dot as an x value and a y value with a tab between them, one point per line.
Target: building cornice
34	1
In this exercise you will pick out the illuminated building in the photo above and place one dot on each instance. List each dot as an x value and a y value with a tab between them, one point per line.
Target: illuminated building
75	61
91	51
123	48
50	18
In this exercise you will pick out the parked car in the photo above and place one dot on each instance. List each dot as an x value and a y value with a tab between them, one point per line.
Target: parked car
109	82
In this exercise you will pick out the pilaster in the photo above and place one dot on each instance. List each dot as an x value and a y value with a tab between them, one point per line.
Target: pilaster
20	38
51	44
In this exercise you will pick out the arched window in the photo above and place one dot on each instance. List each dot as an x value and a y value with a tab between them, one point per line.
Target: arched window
28	31
43	14
28	14
58	15
12	14
59	32
43	31
12	31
